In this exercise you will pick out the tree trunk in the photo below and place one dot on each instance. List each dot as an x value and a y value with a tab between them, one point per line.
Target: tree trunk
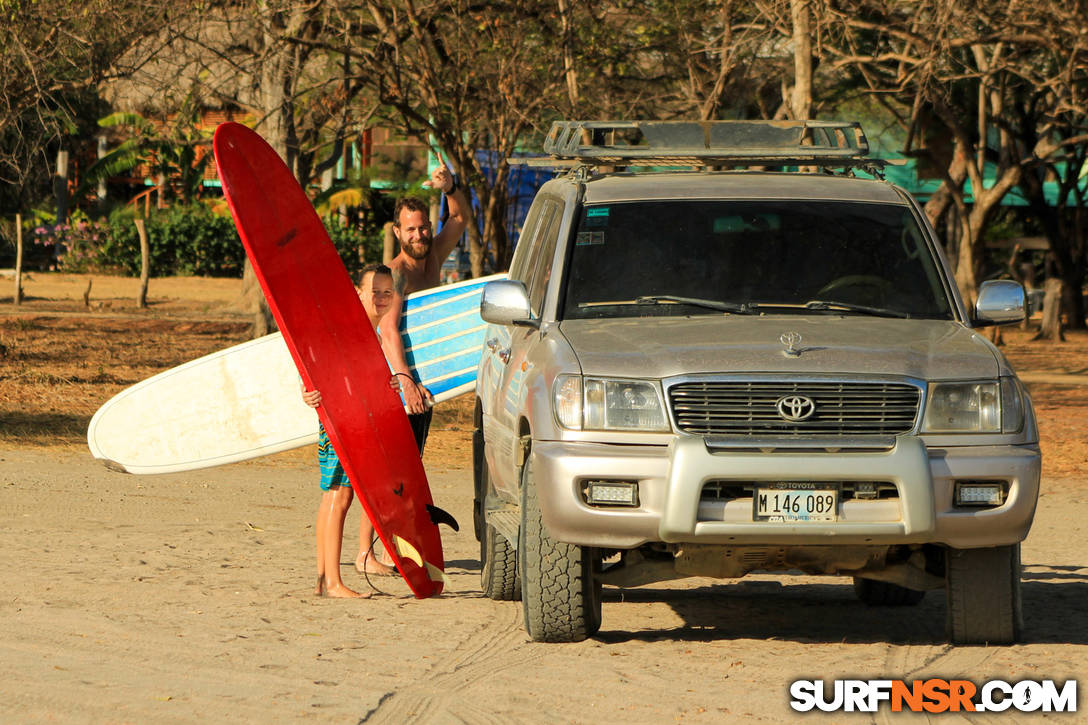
972	246
145	263
952	225
476	249
495	217
1073	299
277	79
966	265
263	321
570	75
949	195
1064	235
1051	328
801	98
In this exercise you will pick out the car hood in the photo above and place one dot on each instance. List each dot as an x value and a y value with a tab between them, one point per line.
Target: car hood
659	347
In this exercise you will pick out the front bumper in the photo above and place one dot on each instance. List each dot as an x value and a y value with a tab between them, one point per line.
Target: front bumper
673	509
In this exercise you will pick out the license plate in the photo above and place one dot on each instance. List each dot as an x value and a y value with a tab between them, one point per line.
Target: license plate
795	501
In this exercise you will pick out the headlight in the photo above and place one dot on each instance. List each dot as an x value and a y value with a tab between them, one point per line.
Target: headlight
974	407
607	404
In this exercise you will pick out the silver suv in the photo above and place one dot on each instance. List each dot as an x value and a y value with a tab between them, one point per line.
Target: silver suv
710	372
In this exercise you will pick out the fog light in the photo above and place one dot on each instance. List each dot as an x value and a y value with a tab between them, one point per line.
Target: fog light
611	493
979	493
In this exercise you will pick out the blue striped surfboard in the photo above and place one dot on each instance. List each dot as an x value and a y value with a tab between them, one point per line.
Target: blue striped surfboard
244	401
443	336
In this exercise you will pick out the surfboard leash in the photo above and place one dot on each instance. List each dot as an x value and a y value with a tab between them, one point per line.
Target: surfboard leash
366	574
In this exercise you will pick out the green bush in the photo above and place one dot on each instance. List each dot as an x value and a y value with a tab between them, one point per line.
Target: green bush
188	240
356	246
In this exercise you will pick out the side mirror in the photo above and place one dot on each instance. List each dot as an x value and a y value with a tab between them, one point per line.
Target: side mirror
1000	302
505	303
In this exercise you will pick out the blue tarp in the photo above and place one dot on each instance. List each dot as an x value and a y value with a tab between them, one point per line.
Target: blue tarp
522	184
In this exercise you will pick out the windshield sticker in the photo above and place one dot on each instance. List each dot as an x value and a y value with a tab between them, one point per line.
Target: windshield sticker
586	239
597	211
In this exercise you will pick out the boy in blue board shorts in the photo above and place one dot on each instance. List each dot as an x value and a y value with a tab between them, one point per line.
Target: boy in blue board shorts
376	293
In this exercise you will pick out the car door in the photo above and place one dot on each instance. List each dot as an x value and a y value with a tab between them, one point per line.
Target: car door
512	345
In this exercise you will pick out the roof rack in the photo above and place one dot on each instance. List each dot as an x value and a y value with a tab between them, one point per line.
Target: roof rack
708	143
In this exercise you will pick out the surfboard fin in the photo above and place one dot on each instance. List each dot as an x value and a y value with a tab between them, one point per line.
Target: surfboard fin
441	516
437	575
407	551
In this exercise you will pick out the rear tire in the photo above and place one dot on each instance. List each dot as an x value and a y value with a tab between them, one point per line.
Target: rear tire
499	567
983	585
885	594
561	595
479	483
498	558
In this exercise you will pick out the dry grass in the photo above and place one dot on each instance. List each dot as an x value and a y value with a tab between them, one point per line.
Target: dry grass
60	361
55	371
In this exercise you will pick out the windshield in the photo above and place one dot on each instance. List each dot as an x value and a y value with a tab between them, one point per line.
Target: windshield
639	259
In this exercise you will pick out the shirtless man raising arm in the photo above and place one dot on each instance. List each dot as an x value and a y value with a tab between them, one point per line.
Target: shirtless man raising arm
418	267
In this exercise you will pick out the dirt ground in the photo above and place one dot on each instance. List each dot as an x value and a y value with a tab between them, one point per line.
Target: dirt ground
187	597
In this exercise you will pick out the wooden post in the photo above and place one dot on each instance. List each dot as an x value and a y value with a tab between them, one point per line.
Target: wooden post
145	263
60	187
18	259
103	150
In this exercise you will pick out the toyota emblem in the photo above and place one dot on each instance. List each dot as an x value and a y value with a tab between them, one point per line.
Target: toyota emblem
795	408
791	340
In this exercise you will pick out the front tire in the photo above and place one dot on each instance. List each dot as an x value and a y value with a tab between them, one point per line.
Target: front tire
983	585
561	595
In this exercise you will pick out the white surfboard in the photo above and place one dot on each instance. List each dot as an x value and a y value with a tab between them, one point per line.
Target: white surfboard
244	402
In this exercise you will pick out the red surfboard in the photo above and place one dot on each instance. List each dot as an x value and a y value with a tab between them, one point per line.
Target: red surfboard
335	349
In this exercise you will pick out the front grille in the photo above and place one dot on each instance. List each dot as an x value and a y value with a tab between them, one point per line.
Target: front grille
750	408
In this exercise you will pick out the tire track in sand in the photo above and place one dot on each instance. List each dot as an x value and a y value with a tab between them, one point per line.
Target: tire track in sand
444	691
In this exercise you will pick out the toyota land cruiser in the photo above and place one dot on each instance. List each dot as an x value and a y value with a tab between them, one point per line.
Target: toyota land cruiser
725	369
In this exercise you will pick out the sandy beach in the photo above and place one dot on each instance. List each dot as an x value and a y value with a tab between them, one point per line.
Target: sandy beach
188	597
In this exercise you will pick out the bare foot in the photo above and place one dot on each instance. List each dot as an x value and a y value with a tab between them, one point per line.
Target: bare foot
319	589
342	592
374	565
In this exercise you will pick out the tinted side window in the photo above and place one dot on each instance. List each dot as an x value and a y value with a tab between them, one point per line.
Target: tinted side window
545	251
521	265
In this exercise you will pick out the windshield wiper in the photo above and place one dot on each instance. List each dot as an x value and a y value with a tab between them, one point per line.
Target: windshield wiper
734	307
847	307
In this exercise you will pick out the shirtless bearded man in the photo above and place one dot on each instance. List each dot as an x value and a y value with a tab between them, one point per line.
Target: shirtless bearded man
418	267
